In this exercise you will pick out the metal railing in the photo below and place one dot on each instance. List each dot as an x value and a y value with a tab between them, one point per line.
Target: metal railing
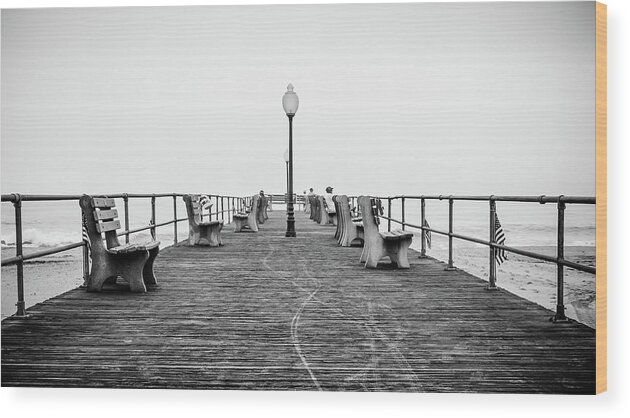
283	198
223	205
561	202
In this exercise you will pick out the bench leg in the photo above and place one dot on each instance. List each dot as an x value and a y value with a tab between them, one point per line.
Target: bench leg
397	252
252	223
130	267
238	224
214	235
101	273
148	276
374	253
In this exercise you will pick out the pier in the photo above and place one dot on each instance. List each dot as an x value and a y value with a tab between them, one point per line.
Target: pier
267	312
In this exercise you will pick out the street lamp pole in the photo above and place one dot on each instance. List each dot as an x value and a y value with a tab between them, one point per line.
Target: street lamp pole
290	104
286	162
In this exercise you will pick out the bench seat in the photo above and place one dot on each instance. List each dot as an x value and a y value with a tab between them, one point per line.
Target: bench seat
210	223
396	235
133	247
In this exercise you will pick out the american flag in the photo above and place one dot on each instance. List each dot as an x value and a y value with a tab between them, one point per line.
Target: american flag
499	237
204	201
427	234
84	233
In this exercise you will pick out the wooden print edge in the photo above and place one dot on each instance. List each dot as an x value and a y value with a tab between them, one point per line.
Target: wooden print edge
600	191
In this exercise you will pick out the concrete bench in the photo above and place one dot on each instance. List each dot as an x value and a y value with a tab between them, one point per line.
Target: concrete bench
200	232
110	259
377	245
331	212
351	229
247	221
325	217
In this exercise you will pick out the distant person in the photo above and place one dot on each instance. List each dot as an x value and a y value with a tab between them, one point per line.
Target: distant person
307	209
330	205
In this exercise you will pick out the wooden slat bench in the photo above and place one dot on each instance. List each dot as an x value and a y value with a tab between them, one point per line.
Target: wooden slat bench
394	244
247	221
133	261
201	233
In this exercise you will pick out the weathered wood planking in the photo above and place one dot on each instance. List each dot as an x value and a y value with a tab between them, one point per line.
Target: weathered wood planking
275	313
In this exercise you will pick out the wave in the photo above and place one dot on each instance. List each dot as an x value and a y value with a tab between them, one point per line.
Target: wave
32	237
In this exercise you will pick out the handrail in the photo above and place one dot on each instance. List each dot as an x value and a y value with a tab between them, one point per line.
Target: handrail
493	246
11	197
16	199
542	199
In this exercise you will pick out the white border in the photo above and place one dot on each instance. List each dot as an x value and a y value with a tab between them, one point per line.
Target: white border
52	403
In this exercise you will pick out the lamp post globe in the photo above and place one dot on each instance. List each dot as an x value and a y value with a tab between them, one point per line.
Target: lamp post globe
290	103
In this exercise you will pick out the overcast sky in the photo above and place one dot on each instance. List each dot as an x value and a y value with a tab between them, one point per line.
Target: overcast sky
491	98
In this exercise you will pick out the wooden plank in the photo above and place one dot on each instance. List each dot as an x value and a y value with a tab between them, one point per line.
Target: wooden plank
601	194
100	214
267	312
103	202
107	226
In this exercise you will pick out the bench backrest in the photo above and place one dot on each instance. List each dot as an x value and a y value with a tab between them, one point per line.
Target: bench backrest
100	215
255	204
370	207
194	208
343	212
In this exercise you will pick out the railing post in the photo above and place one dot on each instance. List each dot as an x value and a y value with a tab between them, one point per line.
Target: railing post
389	214
126	205
560	316
19	253
175	219
85	253
153	216
450	267
228	209
222	212
402	210
423	240
492	279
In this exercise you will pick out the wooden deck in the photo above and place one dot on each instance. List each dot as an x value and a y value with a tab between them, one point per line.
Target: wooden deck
272	313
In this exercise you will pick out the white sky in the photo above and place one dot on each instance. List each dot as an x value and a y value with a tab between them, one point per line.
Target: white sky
493	98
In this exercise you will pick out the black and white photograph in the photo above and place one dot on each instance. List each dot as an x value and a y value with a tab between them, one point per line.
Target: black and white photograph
381	197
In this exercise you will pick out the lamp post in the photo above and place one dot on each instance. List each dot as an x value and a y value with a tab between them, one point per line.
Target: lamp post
286	162
290	103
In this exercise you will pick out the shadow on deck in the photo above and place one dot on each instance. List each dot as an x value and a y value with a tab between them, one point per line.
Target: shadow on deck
274	313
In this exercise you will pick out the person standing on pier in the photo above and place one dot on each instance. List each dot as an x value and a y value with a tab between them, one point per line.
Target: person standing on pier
307	207
328	198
